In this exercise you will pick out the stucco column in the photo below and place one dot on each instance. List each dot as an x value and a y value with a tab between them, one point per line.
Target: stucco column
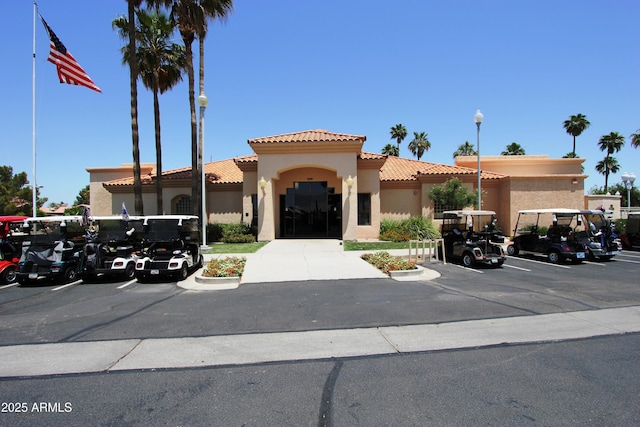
266	230
349	208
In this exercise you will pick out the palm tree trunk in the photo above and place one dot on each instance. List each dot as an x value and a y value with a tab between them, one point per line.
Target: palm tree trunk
135	137
574	146
156	116
195	193
203	184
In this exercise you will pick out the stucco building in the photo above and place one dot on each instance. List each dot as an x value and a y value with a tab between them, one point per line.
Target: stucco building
321	184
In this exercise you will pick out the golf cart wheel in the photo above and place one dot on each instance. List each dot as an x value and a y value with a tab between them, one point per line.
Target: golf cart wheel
554	257
467	259
512	250
70	274
8	275
130	271
184	272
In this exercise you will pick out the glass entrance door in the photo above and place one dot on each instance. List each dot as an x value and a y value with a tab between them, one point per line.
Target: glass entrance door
310	210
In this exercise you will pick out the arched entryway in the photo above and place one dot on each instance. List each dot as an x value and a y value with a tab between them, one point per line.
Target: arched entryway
310	209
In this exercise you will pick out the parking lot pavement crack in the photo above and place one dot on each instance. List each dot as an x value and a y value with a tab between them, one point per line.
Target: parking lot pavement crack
391	343
138	342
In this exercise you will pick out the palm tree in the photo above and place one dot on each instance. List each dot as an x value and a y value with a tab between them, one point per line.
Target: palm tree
607	166
191	16
160	65
465	149
513	149
611	143
399	133
420	144
635	139
390	150
575	126
132	5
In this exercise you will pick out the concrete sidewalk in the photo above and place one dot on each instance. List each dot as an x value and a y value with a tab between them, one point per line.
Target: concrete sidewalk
135	354
289	260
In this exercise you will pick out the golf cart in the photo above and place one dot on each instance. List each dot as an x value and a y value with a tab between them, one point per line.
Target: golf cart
170	247
471	236
557	241
10	247
113	247
51	249
598	235
631	237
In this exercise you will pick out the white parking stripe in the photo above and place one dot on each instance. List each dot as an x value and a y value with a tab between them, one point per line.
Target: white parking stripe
541	262
130	282
9	285
65	286
513	266
469	269
627	260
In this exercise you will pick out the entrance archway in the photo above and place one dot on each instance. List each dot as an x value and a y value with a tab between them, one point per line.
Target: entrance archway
310	209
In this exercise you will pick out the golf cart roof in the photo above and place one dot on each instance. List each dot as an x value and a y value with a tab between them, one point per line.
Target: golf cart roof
56	218
171	217
549	210
115	217
465	212
596	212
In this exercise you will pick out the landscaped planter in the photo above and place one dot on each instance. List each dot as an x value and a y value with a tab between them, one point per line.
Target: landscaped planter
217	283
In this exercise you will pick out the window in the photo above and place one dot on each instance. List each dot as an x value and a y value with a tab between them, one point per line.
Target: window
438	208
254	210
364	208
183	206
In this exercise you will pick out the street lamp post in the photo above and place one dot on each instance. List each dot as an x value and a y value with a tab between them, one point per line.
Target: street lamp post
628	179
203	102
477	118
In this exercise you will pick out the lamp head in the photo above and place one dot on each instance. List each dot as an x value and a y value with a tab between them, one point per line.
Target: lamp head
203	101
478	117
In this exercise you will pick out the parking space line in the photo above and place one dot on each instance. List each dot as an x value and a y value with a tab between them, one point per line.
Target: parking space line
541	262
628	260
65	286
517	268
9	285
131	282
595	263
469	269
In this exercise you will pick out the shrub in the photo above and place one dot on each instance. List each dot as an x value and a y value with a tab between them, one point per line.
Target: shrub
414	228
227	267
385	262
237	232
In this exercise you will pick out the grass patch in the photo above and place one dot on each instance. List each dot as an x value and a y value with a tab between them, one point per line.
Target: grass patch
374	246
235	248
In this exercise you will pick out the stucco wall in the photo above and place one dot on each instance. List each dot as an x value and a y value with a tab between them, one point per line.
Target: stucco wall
400	203
369	182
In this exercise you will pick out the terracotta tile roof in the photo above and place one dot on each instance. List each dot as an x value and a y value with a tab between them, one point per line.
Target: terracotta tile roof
372	156
317	135
219	172
252	158
400	169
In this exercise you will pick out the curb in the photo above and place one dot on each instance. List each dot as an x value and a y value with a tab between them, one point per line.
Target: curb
419	273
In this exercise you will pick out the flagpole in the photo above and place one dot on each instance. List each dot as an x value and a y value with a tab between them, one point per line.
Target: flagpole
34	187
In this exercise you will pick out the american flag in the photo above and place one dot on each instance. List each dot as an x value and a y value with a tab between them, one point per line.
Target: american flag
69	71
125	214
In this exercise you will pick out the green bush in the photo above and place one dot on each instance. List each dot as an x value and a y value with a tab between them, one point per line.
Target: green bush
402	230
237	232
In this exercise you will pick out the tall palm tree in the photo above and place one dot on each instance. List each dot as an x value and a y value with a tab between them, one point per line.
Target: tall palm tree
465	149
420	144
399	133
390	150
605	167
513	149
635	139
575	126
160	65
132	5
191	16
611	143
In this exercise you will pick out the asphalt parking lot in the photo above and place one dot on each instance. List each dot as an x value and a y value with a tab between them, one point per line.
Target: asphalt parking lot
581	381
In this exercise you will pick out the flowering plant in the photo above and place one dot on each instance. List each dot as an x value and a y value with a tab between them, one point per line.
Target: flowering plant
386	262
227	267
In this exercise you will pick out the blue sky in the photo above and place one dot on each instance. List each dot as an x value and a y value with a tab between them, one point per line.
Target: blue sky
348	66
